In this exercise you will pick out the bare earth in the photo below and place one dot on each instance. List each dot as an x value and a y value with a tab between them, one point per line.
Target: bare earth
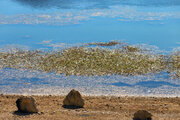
96	108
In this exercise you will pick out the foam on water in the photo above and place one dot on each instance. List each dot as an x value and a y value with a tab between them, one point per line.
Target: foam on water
26	82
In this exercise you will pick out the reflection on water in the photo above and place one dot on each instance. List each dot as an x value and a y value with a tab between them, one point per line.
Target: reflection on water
90	4
55	24
14	81
121	84
148	84
47	3
30	22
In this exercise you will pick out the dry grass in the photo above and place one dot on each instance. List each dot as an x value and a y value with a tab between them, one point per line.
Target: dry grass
87	61
174	64
111	43
20	59
127	60
96	61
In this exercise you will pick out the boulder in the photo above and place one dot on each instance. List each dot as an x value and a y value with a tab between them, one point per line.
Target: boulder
142	115
26	105
73	99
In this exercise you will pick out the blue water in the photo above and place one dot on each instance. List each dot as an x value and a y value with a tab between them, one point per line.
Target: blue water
52	24
148	84
37	24
16	81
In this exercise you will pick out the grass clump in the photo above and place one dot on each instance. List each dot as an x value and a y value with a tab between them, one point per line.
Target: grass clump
127	60
20	59
96	61
111	43
174	64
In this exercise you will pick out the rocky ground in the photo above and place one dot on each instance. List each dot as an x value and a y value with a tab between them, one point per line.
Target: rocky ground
96	108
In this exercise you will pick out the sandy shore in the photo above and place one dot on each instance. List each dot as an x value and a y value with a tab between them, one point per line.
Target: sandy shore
99	108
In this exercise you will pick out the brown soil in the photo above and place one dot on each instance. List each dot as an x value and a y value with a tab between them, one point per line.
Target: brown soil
96	108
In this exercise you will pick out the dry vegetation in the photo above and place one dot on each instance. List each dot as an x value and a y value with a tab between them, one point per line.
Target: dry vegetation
85	60
174	64
96	61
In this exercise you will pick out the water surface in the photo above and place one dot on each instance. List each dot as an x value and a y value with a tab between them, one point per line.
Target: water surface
37	24
55	24
27	82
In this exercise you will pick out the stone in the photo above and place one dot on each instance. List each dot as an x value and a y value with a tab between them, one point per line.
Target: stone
142	115
26	105
73	99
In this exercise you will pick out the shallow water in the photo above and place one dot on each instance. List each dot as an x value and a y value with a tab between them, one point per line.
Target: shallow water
56	24
50	24
33	82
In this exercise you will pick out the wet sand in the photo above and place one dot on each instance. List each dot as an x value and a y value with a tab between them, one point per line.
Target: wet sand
96	108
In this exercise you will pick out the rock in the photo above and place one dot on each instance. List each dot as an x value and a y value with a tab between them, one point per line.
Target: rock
142	115
26	105
73	99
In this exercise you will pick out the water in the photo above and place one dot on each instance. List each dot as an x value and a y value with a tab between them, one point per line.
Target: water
54	24
28	82
49	23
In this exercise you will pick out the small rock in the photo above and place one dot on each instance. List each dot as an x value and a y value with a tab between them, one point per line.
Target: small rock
107	105
73	99
142	115
26	105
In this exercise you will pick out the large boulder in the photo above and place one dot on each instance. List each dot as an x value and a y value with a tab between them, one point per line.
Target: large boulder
26	105
73	99
142	115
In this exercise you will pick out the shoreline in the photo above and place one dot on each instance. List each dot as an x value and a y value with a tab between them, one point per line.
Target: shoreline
38	83
92	95
96	107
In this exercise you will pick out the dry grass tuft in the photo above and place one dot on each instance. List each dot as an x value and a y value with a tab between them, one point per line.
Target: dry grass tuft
95	61
174	64
87	61
127	60
111	43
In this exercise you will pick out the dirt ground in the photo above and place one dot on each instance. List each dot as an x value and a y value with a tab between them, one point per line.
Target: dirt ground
96	108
